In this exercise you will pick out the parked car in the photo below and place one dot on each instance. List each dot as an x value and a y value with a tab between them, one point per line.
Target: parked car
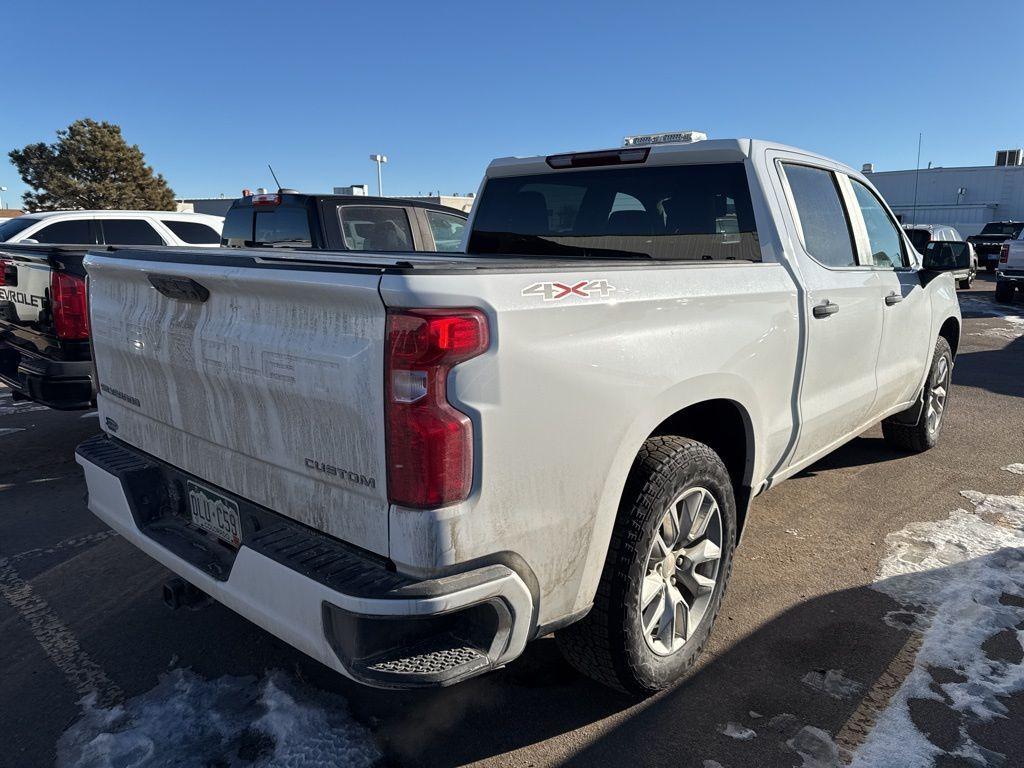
408	465
922	234
988	242
342	222
113	228
1010	273
44	328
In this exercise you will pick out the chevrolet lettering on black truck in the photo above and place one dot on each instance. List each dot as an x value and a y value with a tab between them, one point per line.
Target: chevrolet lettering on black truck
558	430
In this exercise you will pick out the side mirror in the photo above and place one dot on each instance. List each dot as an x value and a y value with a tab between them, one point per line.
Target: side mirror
946	256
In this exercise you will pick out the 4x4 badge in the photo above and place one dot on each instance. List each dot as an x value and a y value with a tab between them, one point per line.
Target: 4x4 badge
581	288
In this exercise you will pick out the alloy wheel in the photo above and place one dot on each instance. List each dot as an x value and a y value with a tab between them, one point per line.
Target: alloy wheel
682	571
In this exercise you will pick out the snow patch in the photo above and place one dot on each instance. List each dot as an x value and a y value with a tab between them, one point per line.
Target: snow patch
230	721
816	748
1014	330
1017	469
952	573
832	682
737	731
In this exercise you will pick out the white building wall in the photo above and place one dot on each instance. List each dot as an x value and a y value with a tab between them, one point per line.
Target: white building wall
992	193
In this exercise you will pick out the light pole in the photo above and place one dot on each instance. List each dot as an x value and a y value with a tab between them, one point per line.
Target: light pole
379	160
2	190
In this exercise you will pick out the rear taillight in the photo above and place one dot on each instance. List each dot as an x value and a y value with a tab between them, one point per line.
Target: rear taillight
4	266
1004	253
429	441
69	306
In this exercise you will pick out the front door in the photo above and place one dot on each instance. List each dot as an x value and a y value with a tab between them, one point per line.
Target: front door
904	352
844	319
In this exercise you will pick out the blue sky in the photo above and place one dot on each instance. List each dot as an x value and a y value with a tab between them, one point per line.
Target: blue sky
212	91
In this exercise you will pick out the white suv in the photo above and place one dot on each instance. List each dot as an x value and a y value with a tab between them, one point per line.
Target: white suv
114	228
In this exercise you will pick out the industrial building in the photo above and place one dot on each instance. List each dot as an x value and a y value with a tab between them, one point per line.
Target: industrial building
965	198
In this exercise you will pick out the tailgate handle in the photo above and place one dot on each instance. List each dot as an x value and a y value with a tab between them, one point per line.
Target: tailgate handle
180	288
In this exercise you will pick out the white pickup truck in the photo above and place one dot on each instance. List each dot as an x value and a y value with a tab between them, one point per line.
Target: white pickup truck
409	465
1010	269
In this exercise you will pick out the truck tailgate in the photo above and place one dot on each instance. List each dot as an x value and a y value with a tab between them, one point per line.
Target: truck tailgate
263	379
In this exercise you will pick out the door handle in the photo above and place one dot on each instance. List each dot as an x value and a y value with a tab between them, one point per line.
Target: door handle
825	309
893	298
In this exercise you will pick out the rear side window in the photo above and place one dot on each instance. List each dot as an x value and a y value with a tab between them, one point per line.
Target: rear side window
688	212
823	223
71	232
447	230
375	228
237	231
193	232
130	232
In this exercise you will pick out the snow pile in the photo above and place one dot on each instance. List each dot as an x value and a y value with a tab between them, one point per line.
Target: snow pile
953	573
231	721
1017	469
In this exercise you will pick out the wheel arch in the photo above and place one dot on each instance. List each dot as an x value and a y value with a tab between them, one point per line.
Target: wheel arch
725	426
950	331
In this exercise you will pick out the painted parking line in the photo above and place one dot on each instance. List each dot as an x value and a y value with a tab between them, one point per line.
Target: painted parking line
57	641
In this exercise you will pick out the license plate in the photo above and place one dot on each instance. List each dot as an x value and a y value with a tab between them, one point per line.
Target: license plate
214	513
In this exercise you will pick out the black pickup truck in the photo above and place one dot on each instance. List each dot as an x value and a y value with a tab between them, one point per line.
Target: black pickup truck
341	223
991	238
44	325
44	320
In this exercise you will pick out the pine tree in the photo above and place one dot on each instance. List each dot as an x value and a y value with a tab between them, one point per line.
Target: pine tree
90	166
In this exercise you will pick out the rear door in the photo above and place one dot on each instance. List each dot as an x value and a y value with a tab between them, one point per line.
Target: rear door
903	353
257	377
844	320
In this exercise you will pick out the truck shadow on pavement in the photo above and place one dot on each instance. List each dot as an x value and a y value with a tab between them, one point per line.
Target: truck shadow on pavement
756	683
989	369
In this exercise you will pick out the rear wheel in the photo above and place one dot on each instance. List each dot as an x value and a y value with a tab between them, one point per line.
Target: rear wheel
666	572
925	433
990	267
1004	291
966	282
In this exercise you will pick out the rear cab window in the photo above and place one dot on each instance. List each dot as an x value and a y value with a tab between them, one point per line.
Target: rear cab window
680	212
246	226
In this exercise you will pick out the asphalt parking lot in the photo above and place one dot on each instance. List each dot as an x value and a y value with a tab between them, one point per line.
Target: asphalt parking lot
863	620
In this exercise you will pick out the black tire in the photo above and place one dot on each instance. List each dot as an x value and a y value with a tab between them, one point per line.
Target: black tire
965	283
608	644
1004	291
919	437
990	268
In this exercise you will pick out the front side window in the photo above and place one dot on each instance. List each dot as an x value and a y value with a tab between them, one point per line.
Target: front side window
684	212
375	228
883	234
11	227
73	232
130	232
447	230
823	223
